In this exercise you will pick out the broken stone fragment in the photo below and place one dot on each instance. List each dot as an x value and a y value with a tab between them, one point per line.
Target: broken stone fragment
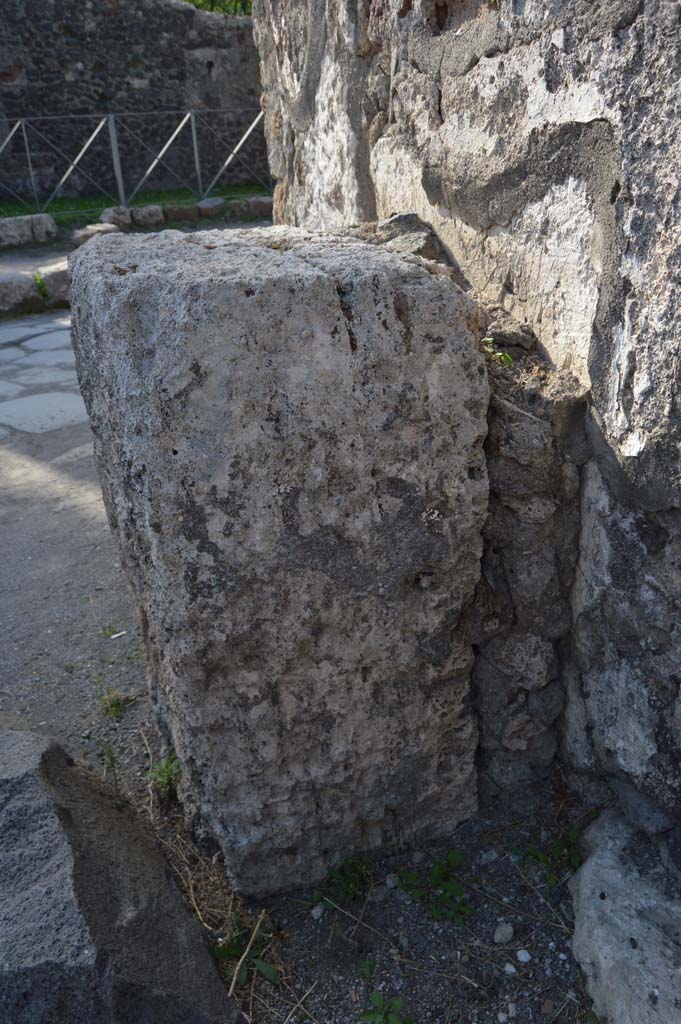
289	434
92	926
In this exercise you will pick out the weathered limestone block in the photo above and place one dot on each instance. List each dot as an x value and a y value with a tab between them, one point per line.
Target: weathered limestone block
15	231
92	925
55	277
82	235
118	215
19	293
252	208
36	227
627	913
147	216
289	433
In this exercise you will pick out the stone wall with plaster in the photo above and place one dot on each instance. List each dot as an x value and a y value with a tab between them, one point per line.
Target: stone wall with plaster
542	141
67	57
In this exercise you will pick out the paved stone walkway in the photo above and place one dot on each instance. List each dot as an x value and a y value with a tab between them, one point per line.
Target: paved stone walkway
38	384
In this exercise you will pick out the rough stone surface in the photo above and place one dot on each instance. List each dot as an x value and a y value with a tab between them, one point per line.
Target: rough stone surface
43	227
289	432
81	235
118	215
93	927
146	55
37	227
147	216
253	208
521	620
55	277
19	293
178	211
15	231
627	930
541	140
212	207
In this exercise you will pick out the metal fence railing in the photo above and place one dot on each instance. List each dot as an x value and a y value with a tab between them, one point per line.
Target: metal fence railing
120	154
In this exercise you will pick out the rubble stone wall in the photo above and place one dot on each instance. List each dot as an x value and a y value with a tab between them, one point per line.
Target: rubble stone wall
541	140
67	57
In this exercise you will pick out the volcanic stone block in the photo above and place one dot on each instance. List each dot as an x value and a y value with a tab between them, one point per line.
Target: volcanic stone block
289	434
92	926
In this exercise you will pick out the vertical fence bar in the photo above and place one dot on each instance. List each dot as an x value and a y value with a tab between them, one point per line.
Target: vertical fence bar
116	158
197	157
30	166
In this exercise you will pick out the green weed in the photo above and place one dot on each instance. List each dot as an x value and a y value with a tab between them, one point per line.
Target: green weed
562	856
41	286
366	969
233	950
109	758
440	891
112	704
384	1011
348	882
494	354
164	775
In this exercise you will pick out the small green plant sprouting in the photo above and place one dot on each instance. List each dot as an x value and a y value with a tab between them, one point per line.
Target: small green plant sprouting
233	951
561	857
41	286
348	882
69	666
493	353
384	1011
112	704
110	764
366	969
441	891
164	775
110	631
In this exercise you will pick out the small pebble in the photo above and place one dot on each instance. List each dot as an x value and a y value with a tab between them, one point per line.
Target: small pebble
523	956
562	956
489	856
509	969
503	933
512	1009
317	911
392	881
502	1017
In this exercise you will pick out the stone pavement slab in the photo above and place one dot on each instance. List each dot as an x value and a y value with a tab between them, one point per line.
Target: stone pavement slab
47	411
39	376
53	339
12	331
58	357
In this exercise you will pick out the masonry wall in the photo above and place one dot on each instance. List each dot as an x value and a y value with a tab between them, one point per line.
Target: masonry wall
541	140
66	57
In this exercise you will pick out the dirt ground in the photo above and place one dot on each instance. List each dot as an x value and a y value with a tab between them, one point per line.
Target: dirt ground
73	667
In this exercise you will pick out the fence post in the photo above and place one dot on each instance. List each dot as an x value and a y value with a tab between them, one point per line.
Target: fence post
116	158
197	159
30	165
